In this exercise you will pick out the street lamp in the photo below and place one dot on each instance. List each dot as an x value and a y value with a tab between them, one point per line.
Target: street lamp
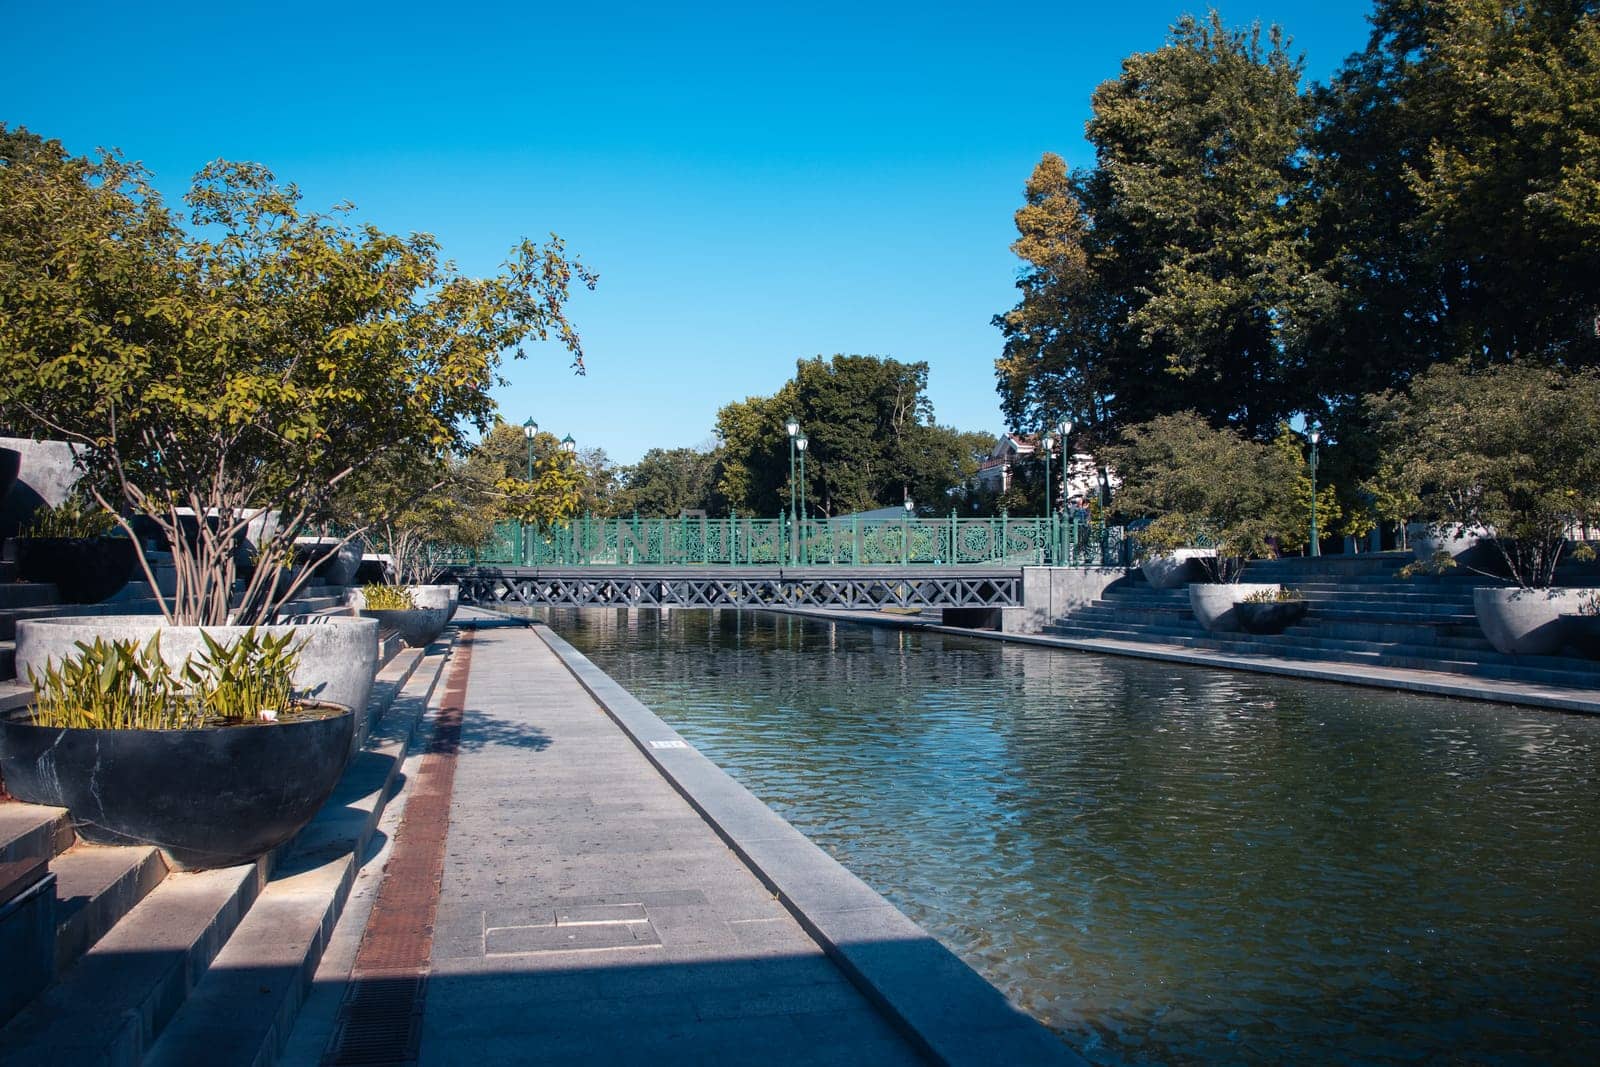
911	507
530	430
1316	547
1065	430
568	445
792	424
800	443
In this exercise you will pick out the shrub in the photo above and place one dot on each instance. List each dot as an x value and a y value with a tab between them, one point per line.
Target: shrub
381	597
120	685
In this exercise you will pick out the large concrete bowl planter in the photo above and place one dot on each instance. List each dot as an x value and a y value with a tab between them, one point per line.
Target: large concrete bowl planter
1526	622
10	464
1583	633
84	570
338	656
1177	568
1213	603
207	797
417	627
338	569
447	597
1468	546
1269	616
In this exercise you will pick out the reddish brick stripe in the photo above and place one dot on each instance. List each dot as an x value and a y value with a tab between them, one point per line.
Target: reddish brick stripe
398	940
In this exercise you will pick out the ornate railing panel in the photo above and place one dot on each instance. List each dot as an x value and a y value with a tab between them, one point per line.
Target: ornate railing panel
703	542
710	590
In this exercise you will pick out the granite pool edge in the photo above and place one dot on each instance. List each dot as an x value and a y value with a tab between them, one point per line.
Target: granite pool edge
949	1011
1394	679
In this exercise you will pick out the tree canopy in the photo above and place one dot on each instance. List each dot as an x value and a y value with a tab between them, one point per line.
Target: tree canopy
250	361
871	439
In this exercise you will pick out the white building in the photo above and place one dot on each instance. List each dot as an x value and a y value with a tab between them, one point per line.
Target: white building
1082	481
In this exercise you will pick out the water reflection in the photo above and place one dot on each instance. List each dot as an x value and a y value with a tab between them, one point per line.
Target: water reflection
1169	864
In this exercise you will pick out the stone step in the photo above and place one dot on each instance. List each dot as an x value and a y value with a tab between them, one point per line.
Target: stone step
96	885
126	988
30	831
271	959
1548	670
122	993
26	594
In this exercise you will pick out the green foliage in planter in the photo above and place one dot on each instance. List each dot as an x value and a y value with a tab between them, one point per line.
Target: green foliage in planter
1274	596
121	685
1202	486
1514	448
74	517
387	598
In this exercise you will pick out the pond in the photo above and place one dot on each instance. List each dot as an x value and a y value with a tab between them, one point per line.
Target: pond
1170	864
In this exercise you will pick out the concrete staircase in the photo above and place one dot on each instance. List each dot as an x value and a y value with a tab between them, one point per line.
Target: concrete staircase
144	965
1361	612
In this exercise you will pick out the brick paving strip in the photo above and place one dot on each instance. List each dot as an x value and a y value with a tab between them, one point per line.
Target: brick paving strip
380	1021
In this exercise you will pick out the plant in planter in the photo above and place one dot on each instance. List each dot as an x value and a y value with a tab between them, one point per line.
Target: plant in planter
1270	611
71	547
1205	487
215	759
1514	449
396	608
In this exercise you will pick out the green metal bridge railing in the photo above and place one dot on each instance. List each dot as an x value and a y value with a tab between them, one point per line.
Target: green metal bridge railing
692	541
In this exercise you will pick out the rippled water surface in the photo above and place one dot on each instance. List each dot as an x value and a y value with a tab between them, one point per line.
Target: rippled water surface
1169	864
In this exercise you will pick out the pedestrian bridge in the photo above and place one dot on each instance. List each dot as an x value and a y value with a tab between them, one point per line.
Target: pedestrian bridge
742	586
694	561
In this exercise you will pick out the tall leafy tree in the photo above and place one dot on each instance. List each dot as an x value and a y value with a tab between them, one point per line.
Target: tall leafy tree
250	363
1168	277
670	481
872	440
1457	193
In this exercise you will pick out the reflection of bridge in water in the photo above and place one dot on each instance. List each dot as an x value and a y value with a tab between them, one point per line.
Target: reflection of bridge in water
695	561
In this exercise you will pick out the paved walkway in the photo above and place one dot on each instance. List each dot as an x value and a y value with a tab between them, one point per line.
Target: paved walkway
588	914
1438	683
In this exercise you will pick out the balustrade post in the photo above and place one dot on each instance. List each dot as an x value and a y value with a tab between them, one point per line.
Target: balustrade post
1005	536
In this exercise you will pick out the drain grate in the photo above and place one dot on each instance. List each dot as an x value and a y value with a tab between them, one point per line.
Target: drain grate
380	1021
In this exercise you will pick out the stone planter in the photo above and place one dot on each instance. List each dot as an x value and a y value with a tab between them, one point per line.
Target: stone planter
1583	633
84	570
338	659
417	627
210	797
1471	546
340	569
10	464
1180	567
46	472
1271	617
1525	622
1213	603
447	597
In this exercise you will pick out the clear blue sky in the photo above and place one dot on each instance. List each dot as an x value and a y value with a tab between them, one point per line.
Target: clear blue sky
754	183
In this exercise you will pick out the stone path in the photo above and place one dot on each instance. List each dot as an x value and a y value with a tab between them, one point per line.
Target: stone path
588	914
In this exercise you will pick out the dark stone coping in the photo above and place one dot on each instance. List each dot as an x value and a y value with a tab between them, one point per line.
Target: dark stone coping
946	1008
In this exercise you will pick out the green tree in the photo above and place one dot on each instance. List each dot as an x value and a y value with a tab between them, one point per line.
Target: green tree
1512	448
249	366
670	481
1293	519
1202	486
1457	163
872	440
1170	275
554	493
